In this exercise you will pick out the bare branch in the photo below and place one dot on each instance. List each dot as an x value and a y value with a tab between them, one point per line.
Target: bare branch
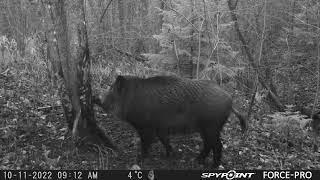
181	15
105	10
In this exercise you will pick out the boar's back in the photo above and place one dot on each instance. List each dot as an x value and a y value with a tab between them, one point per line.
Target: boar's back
167	101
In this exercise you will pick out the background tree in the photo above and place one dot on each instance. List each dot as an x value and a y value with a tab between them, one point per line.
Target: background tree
74	60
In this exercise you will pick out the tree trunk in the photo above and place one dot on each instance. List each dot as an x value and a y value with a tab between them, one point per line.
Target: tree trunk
122	24
271	95
73	57
188	65
158	27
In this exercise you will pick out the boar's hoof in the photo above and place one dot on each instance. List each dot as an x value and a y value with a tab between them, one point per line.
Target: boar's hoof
200	160
143	155
215	165
216	162
170	152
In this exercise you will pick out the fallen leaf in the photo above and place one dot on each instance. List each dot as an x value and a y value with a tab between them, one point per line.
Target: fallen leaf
49	124
61	138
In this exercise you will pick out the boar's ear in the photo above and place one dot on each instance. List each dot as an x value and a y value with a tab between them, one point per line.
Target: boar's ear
119	83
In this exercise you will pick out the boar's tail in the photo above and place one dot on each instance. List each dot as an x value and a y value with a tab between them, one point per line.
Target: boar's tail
243	120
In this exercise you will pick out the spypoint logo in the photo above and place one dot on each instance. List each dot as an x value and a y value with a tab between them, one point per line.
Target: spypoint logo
232	174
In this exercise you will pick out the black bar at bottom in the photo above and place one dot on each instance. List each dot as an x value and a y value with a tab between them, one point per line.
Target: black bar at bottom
157	174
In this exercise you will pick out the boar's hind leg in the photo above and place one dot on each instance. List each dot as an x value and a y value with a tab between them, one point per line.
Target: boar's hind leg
206	145
211	140
217	150
146	137
162	133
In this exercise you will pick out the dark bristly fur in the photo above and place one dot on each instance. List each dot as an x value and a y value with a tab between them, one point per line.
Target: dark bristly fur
163	105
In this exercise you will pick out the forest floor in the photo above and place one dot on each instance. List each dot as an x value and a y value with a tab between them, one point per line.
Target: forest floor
33	138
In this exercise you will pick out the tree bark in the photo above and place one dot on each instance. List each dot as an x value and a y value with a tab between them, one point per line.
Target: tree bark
122	23
187	64
73	57
158	26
